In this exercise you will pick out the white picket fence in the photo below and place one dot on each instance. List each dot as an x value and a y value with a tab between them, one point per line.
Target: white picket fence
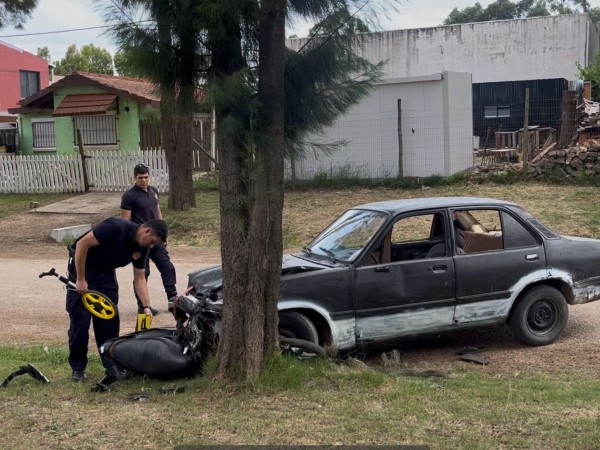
107	170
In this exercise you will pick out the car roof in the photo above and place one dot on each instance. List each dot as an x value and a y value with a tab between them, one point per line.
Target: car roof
410	204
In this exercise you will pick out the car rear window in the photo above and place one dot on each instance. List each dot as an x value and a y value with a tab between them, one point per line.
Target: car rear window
515	234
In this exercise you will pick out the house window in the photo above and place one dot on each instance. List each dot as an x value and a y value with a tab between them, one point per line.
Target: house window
503	111
96	130
30	82
43	134
492	112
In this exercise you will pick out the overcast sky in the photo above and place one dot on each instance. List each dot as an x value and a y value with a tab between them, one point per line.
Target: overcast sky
56	15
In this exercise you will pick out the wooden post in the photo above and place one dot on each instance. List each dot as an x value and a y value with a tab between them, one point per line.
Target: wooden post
86	183
400	146
526	133
568	127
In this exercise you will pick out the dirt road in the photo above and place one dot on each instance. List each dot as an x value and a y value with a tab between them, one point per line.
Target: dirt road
33	310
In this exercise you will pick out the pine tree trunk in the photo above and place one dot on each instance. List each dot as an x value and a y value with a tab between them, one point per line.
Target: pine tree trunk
251	191
176	109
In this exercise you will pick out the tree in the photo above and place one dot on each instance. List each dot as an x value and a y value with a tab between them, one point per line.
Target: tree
266	100
89	59
44	52
592	73
123	64
260	113
166	53
506	9
16	12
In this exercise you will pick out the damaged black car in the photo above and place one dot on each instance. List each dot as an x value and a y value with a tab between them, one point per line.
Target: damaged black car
399	268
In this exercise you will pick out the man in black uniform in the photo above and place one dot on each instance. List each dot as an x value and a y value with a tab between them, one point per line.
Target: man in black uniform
140	204
112	243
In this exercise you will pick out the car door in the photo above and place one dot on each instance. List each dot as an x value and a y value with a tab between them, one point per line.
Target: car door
409	286
499	255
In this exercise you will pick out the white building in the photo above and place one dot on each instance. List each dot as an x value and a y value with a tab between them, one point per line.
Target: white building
427	69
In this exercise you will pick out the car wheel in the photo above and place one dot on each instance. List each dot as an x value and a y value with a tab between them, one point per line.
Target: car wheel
295	325
540	316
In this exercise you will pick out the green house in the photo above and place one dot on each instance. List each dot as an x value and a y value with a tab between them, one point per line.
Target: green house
113	113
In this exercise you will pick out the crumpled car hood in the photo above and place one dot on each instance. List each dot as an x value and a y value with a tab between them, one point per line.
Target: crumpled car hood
211	279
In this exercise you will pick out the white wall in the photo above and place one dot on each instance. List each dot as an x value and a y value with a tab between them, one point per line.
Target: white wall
436	131
505	50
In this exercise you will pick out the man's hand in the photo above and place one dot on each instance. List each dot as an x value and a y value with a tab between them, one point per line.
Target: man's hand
187	291
81	286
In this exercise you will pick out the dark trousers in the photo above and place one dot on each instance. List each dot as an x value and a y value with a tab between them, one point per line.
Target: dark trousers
80	318
160	257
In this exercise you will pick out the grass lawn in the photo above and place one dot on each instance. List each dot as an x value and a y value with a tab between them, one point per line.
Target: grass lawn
299	402
317	402
571	210
16	203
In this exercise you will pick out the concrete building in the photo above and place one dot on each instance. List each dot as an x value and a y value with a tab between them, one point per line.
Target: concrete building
434	114
506	50
21	74
503	58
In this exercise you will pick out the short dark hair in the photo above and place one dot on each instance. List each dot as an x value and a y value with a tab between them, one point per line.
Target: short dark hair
141	168
159	227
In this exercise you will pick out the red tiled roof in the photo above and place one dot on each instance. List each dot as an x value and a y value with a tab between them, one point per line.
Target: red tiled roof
135	87
77	104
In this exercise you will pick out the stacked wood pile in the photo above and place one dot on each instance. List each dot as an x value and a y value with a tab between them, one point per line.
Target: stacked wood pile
576	161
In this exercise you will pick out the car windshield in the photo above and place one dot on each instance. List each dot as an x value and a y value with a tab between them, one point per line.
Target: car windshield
347	236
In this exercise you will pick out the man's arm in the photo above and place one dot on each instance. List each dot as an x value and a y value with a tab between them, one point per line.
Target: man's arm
126	214
83	245
141	287
126	206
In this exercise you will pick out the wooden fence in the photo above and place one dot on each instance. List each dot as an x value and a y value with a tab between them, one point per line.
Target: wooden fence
41	174
107	170
112	170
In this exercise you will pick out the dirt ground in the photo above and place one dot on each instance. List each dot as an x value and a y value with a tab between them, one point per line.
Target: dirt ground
33	309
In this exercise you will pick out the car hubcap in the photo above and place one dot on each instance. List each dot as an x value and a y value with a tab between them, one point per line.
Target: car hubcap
542	316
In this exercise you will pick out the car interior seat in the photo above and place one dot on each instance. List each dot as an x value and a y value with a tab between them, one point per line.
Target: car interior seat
437	251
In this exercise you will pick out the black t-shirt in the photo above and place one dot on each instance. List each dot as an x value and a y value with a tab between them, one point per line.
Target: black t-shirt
142	204
117	247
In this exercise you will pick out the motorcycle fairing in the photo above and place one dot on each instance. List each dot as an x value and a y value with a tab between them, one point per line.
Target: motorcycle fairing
151	352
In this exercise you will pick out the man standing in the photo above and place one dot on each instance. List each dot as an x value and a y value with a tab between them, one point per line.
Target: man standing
112	243
140	204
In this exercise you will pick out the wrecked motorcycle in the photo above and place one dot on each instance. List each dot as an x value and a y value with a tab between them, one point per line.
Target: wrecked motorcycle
173	352
180	352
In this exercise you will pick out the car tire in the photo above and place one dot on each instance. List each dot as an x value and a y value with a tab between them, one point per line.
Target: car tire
296	325
540	316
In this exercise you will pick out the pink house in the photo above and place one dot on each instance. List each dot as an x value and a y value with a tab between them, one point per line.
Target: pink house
21	74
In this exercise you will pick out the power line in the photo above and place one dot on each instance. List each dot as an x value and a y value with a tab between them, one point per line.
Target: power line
65	31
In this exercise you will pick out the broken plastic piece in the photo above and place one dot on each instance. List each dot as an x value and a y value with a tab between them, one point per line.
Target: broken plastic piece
470	357
31	370
464	350
139	396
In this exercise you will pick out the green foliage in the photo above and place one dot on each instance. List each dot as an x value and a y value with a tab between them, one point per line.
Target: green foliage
506	9
44	52
89	59
15	12
592	73
285	372
210	182
323	79
125	65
